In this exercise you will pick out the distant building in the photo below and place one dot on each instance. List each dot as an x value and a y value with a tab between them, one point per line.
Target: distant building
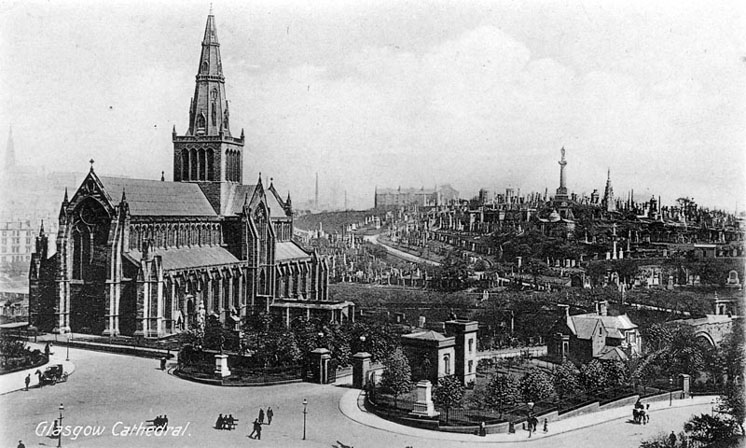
423	197
583	337
16	241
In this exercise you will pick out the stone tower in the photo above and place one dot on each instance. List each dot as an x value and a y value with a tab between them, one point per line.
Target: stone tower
608	201
208	154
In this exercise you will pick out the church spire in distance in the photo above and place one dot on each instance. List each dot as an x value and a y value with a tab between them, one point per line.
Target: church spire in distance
208	114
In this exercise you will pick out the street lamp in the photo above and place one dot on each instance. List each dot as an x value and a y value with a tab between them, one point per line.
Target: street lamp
305	411
67	357
670	391
59	436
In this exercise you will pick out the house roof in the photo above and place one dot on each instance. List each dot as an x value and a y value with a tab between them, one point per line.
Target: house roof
288	250
584	326
190	257
428	335
158	198
613	353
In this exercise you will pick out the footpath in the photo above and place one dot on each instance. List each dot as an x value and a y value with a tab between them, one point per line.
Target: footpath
352	405
11	382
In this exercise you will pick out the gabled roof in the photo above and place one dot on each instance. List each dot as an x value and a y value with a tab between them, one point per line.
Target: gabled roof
275	204
584	326
190	257
157	198
428	335
288	251
237	197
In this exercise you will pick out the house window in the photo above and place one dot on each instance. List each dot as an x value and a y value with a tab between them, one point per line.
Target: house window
447	364
471	365
471	345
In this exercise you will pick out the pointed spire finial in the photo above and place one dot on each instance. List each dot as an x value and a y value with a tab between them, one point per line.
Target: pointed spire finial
260	177
41	228
65	200
163	176
124	195
91	162
271	181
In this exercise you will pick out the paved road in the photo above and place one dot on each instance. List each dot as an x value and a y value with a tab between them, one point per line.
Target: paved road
106	389
398	253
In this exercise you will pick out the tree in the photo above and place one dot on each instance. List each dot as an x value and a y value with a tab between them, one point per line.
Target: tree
501	391
593	376
565	379
397	375
536	385
616	373
448	393
709	429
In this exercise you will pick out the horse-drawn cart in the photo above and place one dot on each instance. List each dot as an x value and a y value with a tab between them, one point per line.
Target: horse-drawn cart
52	375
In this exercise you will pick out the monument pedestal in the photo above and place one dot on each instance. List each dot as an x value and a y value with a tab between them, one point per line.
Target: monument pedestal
424	406
221	366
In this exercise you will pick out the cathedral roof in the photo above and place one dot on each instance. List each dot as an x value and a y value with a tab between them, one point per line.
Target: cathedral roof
191	257
237	198
157	198
288	251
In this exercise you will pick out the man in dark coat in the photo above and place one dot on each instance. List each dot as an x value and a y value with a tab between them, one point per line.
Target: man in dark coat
257	432
27	380
261	416
270	414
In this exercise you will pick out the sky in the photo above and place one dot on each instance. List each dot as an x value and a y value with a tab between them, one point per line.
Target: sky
393	93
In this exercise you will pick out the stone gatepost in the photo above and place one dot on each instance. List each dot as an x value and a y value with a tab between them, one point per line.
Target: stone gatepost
360	369
320	365
424	406
221	366
684	383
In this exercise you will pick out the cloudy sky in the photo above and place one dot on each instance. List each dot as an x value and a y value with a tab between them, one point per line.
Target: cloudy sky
383	93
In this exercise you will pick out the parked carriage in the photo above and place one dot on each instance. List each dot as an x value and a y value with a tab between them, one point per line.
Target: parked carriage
52	375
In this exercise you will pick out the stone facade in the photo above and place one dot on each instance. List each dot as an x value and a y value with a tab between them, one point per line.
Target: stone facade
141	257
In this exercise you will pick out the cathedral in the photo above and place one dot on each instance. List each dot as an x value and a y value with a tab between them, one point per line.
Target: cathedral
143	257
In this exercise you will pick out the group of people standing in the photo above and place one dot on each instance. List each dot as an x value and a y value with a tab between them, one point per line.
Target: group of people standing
229	422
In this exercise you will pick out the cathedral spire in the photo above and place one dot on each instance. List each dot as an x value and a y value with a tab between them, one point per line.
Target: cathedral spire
208	113
10	152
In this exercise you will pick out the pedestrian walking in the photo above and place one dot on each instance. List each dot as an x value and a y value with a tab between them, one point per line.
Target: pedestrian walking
20	444
647	413
219	422
261	416
546	426
257	432
672	439
270	414
46	350
27	380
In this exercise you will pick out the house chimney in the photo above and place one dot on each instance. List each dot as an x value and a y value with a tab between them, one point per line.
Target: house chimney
602	308
564	310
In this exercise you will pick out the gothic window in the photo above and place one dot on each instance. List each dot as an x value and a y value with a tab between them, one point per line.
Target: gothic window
205	67
262	283
214	115
192	165
210	161
202	163
184	164
201	122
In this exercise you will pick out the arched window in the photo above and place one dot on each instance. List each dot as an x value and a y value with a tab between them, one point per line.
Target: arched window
262	283
210	155
201	122
202	164
193	164
205	67
447	364
184	164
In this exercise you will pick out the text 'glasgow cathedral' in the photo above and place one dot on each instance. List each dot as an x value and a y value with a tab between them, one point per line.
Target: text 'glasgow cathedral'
141	257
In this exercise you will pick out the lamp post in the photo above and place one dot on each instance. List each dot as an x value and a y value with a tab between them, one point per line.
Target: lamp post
59	436
305	411
670	391
67	357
